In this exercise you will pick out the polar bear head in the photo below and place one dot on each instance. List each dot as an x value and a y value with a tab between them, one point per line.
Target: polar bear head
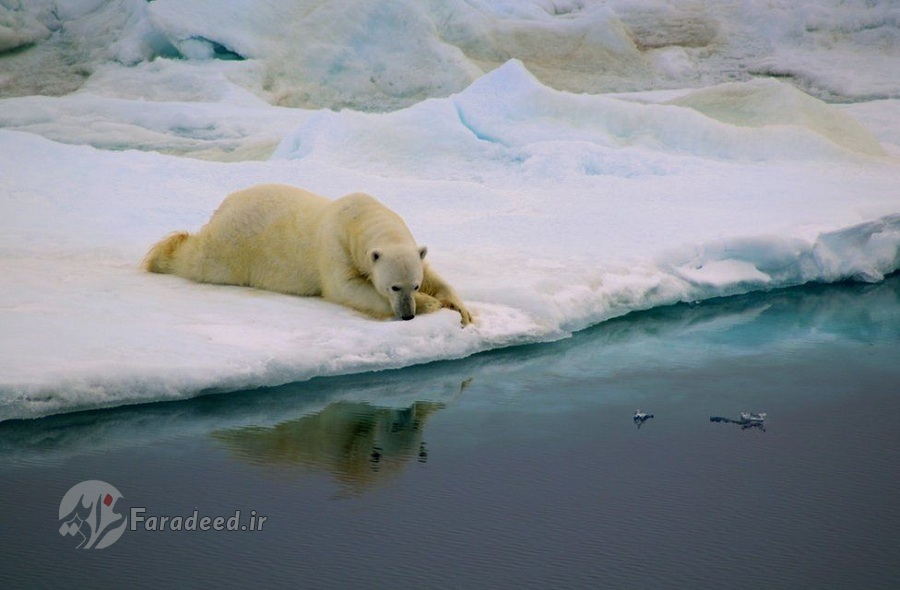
396	273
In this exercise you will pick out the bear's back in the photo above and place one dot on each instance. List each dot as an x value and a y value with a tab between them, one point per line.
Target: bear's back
262	205
365	219
263	236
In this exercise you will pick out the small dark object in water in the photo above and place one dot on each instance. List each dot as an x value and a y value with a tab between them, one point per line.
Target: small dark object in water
641	417
747	420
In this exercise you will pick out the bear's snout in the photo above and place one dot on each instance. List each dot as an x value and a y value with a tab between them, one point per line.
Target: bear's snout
404	307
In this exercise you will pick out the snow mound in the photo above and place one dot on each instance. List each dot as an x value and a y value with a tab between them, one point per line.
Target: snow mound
508	119
372	55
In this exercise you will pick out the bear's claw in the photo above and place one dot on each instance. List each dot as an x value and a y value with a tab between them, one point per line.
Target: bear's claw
466	317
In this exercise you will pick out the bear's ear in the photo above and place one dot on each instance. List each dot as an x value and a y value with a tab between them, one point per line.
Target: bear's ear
375	255
423	250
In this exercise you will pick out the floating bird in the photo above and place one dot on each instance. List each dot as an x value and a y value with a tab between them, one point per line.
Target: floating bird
641	417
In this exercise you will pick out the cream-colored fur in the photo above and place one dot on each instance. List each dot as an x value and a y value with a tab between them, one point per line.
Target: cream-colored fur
353	251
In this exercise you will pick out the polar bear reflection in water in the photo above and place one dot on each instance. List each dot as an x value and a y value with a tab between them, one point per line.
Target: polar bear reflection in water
356	442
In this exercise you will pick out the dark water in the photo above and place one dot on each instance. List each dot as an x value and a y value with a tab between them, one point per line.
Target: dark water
516	469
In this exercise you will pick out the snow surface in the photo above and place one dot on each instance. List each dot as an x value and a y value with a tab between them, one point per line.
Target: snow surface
548	208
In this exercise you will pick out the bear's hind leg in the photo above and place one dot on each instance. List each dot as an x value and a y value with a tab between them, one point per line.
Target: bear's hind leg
161	257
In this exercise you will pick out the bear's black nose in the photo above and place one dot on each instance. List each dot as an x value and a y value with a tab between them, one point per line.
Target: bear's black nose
407	317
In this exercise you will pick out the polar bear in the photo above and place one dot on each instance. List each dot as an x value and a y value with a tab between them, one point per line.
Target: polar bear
353	251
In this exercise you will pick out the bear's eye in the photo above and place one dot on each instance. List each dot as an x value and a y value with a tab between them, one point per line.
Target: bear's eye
416	288
395	288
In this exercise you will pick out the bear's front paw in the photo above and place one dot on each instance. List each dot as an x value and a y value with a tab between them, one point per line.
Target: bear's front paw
455	305
427	303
